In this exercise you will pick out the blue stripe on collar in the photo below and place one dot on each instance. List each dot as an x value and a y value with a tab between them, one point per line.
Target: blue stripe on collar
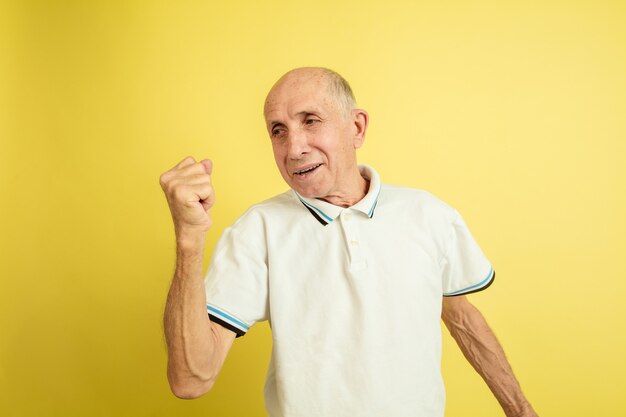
371	212
319	211
312	211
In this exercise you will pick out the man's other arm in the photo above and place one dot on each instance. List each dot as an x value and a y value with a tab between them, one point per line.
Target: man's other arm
483	351
197	347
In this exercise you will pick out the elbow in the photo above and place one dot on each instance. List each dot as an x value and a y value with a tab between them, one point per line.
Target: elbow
190	391
189	387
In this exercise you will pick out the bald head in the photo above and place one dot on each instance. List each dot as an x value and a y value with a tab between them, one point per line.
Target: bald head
337	86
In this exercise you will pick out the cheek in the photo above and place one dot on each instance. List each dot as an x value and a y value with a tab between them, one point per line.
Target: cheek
339	148
329	145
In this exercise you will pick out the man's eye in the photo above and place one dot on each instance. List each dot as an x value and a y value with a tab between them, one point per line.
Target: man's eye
310	121
277	132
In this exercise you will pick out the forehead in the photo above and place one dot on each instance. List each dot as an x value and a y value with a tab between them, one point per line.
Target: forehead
296	94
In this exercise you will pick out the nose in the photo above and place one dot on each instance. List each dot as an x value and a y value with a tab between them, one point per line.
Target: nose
298	145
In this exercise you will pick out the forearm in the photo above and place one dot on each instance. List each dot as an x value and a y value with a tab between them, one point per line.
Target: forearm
190	340
481	348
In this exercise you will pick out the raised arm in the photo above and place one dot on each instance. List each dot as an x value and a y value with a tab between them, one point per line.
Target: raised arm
196	346
481	348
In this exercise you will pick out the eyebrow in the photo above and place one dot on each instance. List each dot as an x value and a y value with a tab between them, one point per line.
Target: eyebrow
314	112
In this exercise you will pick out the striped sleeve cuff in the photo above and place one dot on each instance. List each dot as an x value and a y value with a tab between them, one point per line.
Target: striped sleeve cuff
482	285
226	320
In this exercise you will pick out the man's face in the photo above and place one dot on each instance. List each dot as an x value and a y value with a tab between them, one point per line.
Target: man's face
313	139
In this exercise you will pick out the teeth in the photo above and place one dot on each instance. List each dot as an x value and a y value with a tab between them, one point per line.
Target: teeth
304	171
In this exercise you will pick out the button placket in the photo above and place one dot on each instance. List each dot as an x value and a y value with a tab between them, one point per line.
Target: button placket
353	240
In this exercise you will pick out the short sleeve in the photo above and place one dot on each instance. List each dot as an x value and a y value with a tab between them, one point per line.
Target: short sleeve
465	267
237	278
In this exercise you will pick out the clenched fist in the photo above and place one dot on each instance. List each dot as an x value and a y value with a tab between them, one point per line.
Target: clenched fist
189	195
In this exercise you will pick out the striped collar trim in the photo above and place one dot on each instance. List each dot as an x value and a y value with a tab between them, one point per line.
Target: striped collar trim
326	213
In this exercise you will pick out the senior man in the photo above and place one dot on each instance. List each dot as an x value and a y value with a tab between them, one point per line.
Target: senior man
353	275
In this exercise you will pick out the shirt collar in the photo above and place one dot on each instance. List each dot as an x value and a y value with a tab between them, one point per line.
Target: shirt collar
326	213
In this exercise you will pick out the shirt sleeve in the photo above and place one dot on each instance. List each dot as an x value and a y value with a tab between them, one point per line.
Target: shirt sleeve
237	278
465	267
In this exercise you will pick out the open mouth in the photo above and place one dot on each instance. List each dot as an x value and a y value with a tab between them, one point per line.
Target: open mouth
308	170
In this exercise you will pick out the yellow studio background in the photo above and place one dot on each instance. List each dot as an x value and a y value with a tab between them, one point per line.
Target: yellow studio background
512	112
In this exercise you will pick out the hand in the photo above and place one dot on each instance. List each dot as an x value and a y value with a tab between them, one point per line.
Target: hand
190	195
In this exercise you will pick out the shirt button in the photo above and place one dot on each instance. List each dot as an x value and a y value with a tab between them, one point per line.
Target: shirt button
347	216
354	242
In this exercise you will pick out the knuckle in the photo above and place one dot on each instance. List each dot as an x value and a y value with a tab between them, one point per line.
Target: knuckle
163	179
169	186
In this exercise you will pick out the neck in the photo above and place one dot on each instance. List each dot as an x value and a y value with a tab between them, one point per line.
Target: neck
355	189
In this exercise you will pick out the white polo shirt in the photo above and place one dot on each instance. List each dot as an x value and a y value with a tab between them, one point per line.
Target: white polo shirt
353	296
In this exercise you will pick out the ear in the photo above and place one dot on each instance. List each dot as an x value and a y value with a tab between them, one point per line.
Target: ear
360	118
